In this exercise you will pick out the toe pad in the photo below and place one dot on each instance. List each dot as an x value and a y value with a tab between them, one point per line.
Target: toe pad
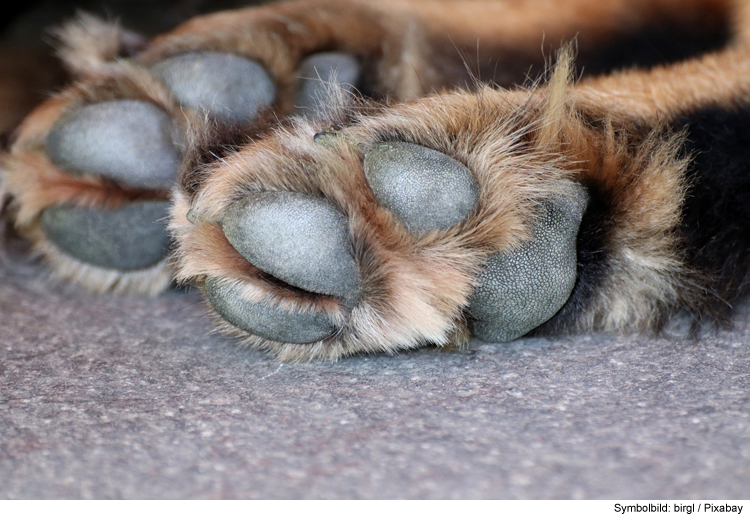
519	290
302	240
424	188
130	142
129	238
318	71
229	87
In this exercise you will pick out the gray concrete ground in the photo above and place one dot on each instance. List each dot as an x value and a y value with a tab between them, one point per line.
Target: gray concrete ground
104	397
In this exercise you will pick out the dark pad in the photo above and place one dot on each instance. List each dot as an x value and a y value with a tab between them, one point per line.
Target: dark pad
424	188
130	142
267	320
228	87
315	75
523	288
129	238
302	240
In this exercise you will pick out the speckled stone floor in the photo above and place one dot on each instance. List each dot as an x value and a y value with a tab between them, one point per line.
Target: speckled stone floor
104	397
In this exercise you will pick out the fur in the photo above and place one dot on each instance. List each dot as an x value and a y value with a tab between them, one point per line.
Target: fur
661	152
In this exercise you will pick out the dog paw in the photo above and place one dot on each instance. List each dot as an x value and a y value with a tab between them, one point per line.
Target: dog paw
93	191
398	230
98	160
92	169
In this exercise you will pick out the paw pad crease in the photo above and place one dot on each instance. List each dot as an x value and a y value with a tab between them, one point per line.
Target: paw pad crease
300	239
426	189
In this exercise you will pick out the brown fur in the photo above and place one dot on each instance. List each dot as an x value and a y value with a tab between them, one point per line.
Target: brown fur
407	49
519	145
609	133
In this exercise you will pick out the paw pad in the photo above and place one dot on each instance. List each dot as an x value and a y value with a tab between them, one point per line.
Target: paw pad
519	290
229	87
130	142
424	188
302	240
129	238
318	71
267	320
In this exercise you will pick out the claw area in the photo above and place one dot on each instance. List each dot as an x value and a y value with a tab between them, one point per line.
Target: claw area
300	239
129	142
130	238
265	319
314	76
519	290
426	189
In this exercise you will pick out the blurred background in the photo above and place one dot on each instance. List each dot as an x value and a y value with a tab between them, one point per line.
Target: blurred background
29	70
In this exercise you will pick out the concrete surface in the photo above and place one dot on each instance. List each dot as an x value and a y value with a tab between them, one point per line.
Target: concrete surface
104	397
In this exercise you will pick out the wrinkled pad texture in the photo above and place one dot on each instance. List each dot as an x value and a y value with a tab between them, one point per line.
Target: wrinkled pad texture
130	237
129	142
107	397
521	289
228	87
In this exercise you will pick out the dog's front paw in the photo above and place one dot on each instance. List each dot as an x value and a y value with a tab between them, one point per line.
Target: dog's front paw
394	232
93	192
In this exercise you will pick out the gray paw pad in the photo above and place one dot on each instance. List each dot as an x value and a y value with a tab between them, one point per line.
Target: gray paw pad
424	188
129	142
300	239
315	73
129	238
228	87
524	288
264	320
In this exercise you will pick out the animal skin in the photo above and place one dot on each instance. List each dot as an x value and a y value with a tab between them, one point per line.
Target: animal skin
345	177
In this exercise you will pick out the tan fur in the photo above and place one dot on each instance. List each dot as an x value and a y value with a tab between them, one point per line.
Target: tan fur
417	47
90	46
415	290
36	183
521	145
147	282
